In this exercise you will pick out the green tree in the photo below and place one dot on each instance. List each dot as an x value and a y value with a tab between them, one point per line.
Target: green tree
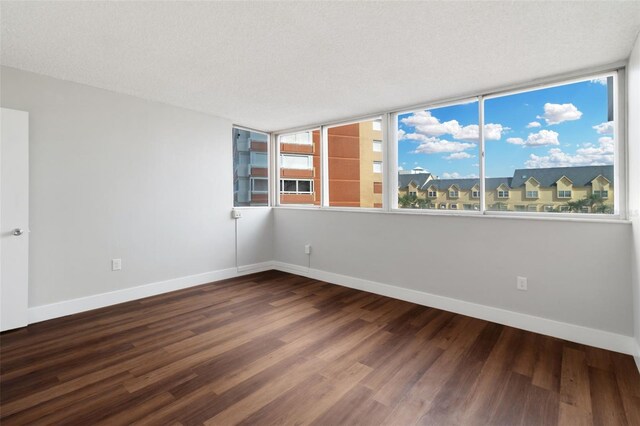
594	202
411	201
406	201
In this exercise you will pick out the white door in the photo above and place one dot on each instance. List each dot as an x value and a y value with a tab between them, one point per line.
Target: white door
14	219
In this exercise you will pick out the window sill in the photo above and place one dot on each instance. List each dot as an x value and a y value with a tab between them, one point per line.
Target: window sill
578	217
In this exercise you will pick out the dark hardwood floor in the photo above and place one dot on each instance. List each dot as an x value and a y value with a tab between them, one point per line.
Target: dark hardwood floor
275	348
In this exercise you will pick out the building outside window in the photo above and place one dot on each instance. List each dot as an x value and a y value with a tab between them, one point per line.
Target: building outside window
354	167
250	168
560	145
444	141
299	169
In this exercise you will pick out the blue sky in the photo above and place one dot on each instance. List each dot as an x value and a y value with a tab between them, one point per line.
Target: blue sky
552	127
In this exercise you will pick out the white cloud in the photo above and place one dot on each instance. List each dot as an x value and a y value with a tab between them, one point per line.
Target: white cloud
435	145
533	124
492	132
429	125
557	113
543	137
401	134
599	80
605	128
590	155
458	156
456	175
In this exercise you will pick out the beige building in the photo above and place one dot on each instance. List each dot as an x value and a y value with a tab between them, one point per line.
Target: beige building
587	189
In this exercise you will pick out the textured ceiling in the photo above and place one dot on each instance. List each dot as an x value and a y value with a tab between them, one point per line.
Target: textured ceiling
272	65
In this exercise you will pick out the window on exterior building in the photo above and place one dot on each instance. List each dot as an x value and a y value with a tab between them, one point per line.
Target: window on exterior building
532	194
259	185
296	186
453	206
444	141
601	194
377	146
532	208
475	194
443	206
300	138
556	138
500	206
503	194
250	168
432	193
354	168
299	168
520	208
413	193
300	162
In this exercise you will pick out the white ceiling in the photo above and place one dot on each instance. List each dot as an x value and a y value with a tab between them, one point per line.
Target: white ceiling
280	65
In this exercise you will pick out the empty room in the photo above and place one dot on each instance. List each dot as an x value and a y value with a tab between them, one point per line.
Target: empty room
316	212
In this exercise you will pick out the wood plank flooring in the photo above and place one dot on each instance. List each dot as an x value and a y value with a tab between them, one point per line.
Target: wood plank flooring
276	348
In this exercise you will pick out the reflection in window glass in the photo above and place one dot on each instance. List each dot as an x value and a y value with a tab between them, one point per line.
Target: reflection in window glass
250	168
300	168
438	157
558	152
355	167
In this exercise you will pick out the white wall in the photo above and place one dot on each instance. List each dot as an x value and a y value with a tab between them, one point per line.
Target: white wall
633	129
114	176
578	272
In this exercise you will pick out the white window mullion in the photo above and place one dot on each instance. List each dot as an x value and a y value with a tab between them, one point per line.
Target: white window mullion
390	163
483	195
276	167
324	166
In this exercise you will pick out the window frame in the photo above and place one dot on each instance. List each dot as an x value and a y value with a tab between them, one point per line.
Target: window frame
389	125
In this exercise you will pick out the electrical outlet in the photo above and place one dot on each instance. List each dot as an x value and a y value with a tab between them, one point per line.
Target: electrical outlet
116	264
521	283
236	214
307	249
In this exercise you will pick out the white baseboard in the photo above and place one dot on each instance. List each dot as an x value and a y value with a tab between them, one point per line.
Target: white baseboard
82	304
571	332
